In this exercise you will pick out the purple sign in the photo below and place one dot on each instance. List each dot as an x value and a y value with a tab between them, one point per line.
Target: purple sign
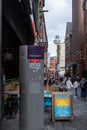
35	52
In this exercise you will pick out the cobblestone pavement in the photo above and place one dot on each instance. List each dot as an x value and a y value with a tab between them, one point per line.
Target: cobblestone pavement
79	121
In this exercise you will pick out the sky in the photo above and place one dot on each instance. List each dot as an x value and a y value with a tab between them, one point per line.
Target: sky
59	13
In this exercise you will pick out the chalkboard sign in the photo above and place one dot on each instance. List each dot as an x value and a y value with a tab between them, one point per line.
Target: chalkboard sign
61	106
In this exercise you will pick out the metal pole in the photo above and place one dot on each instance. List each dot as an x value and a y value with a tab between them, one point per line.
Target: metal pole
0	57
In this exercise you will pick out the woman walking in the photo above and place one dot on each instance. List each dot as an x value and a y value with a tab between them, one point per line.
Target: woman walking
69	85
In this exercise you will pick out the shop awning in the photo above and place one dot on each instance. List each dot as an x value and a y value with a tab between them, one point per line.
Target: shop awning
11	92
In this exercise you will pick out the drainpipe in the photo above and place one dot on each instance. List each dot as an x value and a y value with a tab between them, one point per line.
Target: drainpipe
0	59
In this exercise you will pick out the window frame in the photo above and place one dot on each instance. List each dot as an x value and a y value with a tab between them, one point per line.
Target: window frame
85	4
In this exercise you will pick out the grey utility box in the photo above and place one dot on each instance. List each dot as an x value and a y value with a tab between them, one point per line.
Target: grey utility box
31	68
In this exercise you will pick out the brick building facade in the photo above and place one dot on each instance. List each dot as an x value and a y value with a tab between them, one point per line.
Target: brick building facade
68	46
78	36
78	52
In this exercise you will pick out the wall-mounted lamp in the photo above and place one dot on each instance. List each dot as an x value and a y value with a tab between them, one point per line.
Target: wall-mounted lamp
19	1
43	11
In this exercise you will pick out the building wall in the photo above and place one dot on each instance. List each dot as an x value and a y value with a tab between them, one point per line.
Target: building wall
62	59
68	42
74	27
68	46
78	36
86	26
41	31
0	58
77	26
52	64
81	36
85	48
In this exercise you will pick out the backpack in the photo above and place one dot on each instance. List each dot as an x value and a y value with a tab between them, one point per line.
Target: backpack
85	84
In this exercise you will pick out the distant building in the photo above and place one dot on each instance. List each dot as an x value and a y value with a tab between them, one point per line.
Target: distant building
52	68
60	66
48	61
62	60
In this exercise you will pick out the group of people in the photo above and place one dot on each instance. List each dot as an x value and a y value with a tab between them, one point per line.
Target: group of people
73	83
50	80
69	83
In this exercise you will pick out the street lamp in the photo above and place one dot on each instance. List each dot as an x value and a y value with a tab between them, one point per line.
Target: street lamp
57	42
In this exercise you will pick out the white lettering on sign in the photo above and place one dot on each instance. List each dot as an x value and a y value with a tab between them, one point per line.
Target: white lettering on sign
35	64
34	55
34	87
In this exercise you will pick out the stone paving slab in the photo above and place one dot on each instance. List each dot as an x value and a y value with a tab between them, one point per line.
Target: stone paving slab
79	121
70	128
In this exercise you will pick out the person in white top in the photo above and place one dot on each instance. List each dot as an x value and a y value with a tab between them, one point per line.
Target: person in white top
76	85
69	85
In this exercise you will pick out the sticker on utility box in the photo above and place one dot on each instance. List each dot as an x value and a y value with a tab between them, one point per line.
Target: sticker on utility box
35	64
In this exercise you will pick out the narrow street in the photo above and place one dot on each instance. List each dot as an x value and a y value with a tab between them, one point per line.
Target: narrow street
43	51
79	121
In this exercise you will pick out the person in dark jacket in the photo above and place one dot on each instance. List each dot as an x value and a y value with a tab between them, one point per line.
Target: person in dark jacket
85	89
45	81
82	82
14	104
9	107
50	81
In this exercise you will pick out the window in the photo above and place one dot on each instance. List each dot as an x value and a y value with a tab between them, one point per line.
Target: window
86	32
86	38
85	4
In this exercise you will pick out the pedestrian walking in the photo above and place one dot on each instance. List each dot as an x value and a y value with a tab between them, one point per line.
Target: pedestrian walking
77	78
85	89
45	81
50	81
56	80
69	85
76	85
9	107
61	79
14	104
82	82
64	80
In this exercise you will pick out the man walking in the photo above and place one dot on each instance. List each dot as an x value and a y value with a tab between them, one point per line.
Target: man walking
82	82
85	89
